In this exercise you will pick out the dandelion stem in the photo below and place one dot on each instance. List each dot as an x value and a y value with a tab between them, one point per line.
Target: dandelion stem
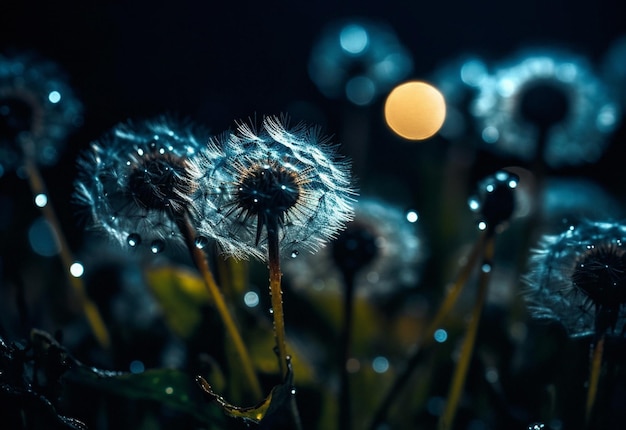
345	342
467	348
594	377
199	259
451	297
276	293
89	308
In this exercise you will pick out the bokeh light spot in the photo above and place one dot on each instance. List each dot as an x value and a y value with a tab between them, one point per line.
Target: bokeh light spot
251	299
353	39
360	90
412	216
380	364
415	110
41	200
440	335
54	97
77	270
42	239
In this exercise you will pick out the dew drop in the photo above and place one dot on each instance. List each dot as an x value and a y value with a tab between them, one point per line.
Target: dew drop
157	246
77	269
251	299
271	310
133	240
295	253
201	242
293	391
412	216
41	200
486	268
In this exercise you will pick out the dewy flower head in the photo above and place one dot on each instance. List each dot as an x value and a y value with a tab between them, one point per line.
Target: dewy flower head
578	278
253	180
136	180
394	262
546	89
36	104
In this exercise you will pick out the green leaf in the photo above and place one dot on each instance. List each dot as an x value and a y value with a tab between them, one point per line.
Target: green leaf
170	387
181	294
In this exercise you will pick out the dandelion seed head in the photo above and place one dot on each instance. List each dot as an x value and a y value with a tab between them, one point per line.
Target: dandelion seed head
578	278
136	178
38	106
549	89
359	60
384	249
253	178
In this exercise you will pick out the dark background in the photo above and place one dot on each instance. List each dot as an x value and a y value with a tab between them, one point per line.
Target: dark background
217	62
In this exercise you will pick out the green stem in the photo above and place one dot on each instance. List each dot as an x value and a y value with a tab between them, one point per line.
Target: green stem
345	345
89	308
452	296
276	294
186	227
594	377
467	348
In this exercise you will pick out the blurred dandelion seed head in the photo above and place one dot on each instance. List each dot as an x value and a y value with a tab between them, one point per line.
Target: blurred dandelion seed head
391	255
135	179
359	60
546	89
36	105
578	278
272	174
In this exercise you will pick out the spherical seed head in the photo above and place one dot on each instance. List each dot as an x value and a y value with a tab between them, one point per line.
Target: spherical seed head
358	59
381	245
495	201
136	179
552	92
579	279
37	105
251	180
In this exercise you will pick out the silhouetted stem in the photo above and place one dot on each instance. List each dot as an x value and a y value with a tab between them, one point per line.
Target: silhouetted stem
345	342
276	294
89	308
467	348
199	259
452	296
594	377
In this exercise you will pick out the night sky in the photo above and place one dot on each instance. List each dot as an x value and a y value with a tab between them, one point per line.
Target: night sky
216	62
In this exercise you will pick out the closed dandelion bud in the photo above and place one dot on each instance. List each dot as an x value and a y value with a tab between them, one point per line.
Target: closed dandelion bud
135	181
37	106
495	201
271	178
578	278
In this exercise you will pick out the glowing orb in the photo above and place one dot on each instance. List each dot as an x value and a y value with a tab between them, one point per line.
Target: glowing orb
415	110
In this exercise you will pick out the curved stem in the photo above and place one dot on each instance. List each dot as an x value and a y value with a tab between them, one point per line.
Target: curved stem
446	306
467	348
594	377
199	259
276	294
89	308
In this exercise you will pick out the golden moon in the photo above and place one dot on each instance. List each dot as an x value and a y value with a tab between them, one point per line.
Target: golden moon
415	110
